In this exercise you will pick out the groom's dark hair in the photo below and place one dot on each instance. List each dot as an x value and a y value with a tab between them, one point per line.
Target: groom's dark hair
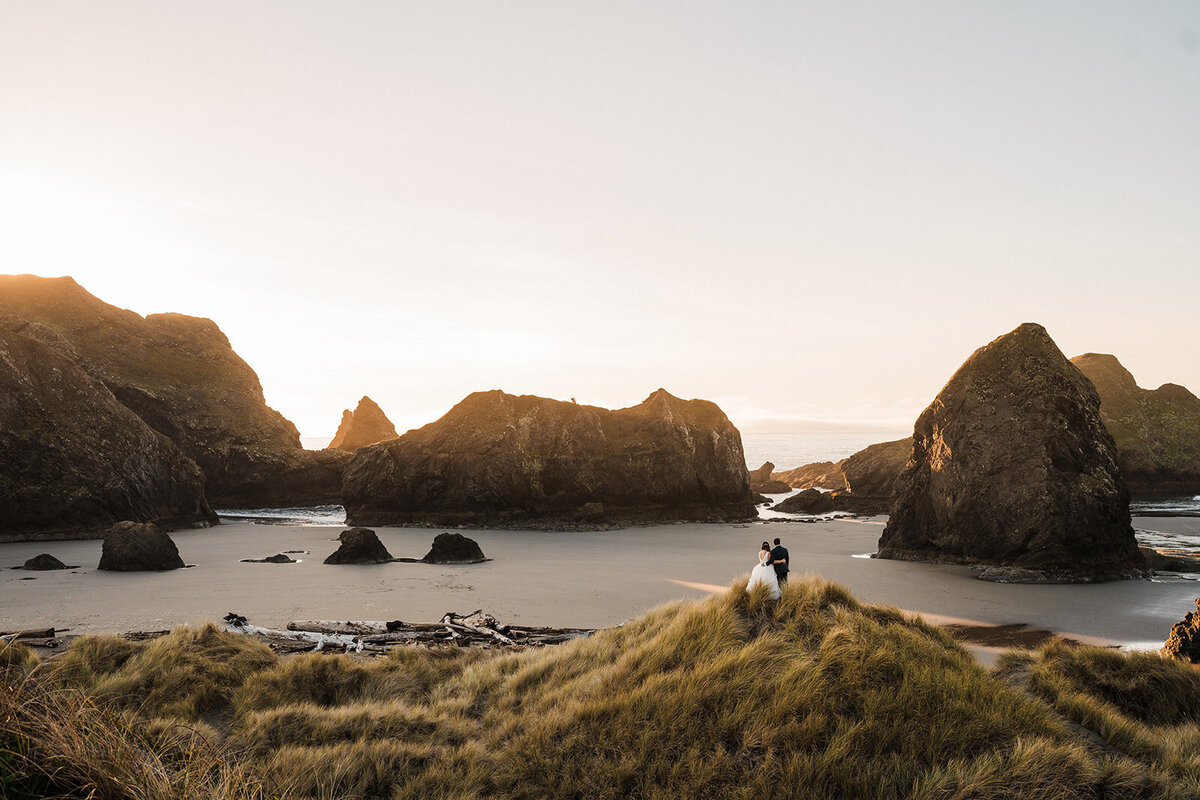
776	540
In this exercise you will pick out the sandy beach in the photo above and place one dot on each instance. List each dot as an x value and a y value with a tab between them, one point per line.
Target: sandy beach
569	579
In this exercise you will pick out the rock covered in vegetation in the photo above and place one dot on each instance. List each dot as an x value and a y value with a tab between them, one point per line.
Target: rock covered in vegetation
500	459
72	458
359	546
366	424
1157	431
182	378
1012	466
1184	640
43	562
453	548
138	547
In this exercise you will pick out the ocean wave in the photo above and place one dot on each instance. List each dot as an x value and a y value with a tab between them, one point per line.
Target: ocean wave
311	515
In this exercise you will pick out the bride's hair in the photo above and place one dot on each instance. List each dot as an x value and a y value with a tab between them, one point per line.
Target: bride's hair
766	546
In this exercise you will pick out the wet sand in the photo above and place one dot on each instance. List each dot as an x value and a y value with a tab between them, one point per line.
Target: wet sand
589	579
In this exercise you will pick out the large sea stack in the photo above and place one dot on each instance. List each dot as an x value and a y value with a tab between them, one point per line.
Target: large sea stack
499	459
74	460
1012	466
182	378
1157	431
366	424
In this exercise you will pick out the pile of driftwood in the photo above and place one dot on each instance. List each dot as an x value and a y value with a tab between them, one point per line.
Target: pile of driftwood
34	637
476	629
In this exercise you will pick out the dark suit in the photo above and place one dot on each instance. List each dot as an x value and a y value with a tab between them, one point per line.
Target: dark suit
780	553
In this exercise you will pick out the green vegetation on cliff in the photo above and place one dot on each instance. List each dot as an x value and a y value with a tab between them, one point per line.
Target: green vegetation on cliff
813	695
1157	430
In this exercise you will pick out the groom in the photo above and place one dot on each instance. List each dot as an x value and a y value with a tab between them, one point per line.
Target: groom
779	557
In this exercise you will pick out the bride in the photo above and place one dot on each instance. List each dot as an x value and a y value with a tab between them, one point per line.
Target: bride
764	573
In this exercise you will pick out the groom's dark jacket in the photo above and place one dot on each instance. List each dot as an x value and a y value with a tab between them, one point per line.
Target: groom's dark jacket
779	552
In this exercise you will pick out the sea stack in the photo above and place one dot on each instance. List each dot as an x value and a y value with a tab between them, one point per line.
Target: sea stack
761	481
181	377
359	546
366	424
138	547
499	459
1012	466
73	459
1157	431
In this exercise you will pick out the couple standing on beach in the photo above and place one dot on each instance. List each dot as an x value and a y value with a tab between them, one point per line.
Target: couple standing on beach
772	569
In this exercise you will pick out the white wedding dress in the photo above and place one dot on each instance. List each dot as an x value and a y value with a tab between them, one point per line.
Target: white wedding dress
764	573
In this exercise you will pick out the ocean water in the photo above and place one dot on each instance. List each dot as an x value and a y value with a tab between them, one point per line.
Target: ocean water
312	515
1167	507
791	450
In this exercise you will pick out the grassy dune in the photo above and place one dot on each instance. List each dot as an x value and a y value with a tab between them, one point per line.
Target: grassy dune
813	695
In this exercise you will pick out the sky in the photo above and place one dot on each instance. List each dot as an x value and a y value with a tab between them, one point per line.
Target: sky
810	213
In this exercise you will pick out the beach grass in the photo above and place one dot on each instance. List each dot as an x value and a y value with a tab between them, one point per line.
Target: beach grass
740	696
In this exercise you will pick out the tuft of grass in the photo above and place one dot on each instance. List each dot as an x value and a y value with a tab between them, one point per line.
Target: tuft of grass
58	742
1141	704
187	674
328	680
15	660
1144	686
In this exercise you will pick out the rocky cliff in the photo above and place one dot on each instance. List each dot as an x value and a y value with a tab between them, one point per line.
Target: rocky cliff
500	459
872	471
1157	431
821	475
366	424
180	375
859	484
1012	465
74	460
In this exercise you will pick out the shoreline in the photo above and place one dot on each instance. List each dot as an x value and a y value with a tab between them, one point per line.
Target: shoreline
580	579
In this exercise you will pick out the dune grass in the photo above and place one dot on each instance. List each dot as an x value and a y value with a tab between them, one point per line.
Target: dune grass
1144	705
57	741
739	696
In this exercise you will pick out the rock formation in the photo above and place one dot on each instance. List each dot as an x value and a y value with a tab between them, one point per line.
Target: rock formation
278	558
359	546
498	459
137	547
814	501
1011	465
73	459
1157	431
366	424
761	481
182	378
42	562
871	472
453	548
1184	640
821	475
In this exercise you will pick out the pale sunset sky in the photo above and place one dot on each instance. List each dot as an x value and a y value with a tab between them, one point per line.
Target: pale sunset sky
810	213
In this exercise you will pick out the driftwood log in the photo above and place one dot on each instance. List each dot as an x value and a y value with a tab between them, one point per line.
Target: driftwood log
32	633
476	629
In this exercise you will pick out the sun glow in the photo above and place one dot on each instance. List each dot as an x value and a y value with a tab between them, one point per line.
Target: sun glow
96	236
